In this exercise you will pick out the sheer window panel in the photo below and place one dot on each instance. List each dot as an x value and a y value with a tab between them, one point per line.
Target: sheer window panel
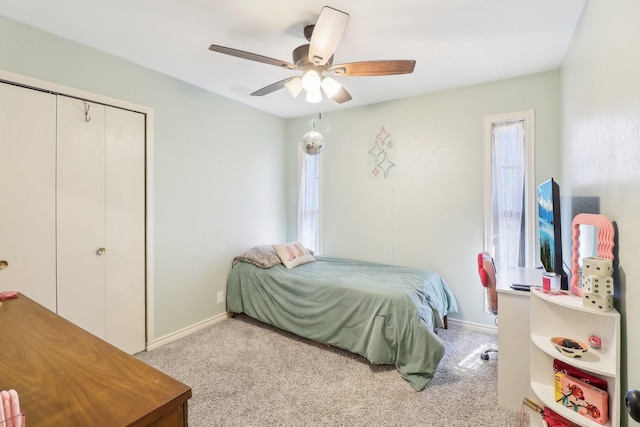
309	200
510	220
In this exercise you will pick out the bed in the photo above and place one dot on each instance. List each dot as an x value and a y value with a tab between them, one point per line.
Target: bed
387	314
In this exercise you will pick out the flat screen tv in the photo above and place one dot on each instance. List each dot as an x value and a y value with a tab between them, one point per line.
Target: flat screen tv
550	230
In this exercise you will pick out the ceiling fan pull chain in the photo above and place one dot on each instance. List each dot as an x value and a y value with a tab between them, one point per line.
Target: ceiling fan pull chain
313	122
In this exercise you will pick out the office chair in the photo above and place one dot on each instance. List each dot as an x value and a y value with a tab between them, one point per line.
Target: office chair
487	272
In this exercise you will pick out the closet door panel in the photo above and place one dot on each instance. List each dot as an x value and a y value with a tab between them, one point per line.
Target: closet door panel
125	229
27	193
80	208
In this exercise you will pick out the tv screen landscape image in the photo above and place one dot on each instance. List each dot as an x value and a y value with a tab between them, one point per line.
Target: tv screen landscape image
549	226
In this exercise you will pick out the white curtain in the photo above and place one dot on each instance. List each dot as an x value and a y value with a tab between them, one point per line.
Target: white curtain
309	201
507	193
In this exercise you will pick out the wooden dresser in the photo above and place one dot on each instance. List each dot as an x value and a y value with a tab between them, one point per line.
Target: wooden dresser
65	376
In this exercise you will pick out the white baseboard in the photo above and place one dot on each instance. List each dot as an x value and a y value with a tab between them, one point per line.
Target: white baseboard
475	326
159	342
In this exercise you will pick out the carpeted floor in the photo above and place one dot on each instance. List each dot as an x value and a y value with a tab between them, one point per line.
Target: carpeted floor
245	373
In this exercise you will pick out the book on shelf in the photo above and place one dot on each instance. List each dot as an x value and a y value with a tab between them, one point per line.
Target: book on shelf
566	368
553	419
584	399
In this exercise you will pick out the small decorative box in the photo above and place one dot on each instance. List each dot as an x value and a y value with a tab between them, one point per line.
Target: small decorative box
597	285
583	398
601	267
597	301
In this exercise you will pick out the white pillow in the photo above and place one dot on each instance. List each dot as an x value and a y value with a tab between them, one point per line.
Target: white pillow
293	254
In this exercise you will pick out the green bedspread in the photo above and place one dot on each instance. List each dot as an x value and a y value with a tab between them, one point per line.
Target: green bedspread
382	312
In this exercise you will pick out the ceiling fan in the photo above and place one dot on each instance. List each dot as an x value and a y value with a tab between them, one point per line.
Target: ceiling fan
315	60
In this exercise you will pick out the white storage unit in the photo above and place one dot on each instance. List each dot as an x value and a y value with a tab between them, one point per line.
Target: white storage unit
77	203
564	316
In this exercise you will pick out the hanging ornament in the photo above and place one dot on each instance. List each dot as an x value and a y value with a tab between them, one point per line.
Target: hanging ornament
313	141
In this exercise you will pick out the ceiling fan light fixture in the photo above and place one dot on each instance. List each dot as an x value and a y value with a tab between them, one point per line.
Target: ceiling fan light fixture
294	86
315	59
311	80
314	96
330	86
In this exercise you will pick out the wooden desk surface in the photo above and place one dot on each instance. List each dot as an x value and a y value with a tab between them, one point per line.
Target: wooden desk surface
65	376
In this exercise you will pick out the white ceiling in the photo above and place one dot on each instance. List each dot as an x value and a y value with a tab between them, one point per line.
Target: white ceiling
455	42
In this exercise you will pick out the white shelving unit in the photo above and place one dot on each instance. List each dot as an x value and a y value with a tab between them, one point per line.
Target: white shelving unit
563	315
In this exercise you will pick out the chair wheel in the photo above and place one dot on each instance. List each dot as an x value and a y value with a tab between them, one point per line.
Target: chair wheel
484	356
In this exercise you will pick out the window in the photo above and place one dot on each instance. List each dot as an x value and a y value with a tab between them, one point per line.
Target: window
510	216
309	221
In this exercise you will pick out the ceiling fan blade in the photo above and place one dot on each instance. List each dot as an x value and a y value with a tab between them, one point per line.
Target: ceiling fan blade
327	34
271	88
252	57
374	68
342	96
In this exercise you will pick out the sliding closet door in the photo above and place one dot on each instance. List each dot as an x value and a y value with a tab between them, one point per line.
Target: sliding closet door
81	217
125	229
27	193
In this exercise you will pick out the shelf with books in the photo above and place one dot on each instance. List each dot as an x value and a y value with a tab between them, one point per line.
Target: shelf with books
562	315
546	393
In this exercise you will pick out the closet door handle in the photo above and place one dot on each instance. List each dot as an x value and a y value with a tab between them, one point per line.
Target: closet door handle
3	264
101	251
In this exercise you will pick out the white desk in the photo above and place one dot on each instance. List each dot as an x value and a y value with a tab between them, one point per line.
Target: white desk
513	334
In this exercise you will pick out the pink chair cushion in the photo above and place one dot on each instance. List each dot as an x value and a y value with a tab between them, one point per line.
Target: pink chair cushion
481	271
484	277
487	273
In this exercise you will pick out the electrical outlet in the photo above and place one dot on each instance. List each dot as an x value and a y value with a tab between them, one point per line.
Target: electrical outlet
221	297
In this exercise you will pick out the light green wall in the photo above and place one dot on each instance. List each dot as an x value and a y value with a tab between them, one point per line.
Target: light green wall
218	165
219	168
601	106
431	215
